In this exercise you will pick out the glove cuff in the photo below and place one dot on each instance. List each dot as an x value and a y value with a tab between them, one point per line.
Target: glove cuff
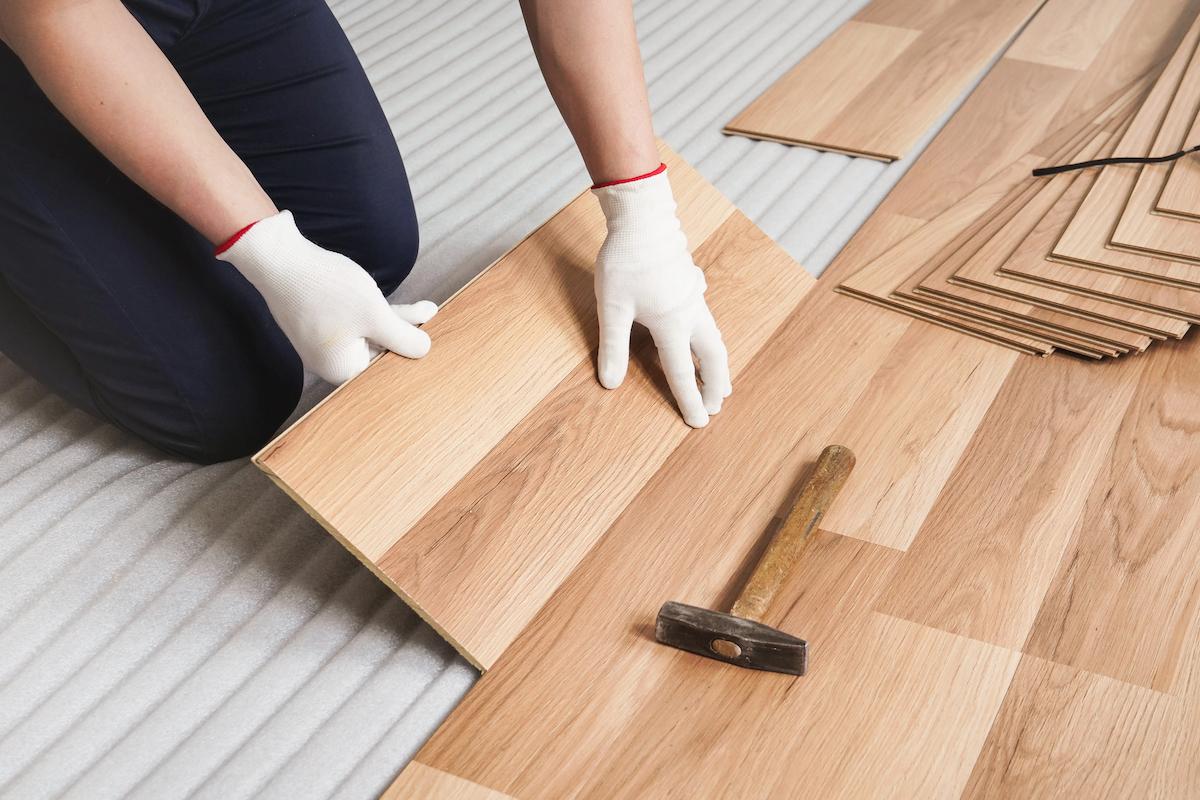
640	214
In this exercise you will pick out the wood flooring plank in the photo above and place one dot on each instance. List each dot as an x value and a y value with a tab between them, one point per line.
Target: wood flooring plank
995	536
989	241
913	454
557	482
1138	227
352	457
1127	590
1063	732
874	89
969	278
426	783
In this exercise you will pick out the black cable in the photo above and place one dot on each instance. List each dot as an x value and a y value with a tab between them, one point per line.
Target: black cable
1101	162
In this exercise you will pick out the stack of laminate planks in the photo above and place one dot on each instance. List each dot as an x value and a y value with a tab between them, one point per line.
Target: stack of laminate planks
1098	262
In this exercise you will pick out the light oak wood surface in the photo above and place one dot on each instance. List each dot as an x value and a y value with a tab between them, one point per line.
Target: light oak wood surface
1139	228
1180	195
881	80
945	661
461	506
1087	237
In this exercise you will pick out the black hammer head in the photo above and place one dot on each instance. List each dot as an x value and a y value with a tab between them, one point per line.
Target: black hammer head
731	639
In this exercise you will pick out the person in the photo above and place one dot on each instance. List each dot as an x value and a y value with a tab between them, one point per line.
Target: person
199	198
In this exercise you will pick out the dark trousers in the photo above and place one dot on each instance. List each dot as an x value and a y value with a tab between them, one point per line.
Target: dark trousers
114	303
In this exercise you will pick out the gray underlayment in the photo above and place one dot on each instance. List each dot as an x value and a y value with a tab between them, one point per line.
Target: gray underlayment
171	631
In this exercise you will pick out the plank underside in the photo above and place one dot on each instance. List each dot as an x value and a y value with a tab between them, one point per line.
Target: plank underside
1003	602
878	83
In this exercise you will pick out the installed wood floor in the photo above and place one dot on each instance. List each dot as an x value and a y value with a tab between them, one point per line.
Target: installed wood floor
1003	602
884	78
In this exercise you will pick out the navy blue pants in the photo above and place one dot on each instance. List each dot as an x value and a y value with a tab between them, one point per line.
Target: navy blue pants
117	305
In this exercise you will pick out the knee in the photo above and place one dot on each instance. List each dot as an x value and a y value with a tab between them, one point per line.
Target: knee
220	421
388	244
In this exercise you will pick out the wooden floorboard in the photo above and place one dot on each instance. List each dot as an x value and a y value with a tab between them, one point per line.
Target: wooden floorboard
1181	193
881	80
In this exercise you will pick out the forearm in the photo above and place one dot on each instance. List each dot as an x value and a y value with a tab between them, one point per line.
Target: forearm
588	52
104	73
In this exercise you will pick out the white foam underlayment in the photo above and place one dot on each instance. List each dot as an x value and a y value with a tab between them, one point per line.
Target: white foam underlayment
171	631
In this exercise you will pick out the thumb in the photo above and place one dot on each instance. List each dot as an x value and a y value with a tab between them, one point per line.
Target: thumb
399	336
417	313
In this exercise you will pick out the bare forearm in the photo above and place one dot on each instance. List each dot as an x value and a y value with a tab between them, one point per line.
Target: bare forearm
589	55
104	73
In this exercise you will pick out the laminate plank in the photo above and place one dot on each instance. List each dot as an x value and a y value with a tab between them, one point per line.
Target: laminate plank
913	454
1138	227
1127	590
1062	732
970	278
426	783
872	88
995	536
496	546
1086	238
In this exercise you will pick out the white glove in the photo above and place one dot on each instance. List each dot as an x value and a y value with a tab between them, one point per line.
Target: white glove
645	274
329	308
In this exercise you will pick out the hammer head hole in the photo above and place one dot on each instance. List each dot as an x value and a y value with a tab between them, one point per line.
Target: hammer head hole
726	648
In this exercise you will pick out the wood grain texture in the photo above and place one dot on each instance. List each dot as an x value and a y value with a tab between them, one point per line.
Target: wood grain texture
1087	237
1181	192
879	82
1127	591
550	488
1139	228
1063	732
1011	503
426	783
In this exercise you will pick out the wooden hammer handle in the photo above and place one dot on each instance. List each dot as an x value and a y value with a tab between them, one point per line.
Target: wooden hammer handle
827	479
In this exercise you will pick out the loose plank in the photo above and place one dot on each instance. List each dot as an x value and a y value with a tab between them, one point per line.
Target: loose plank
879	82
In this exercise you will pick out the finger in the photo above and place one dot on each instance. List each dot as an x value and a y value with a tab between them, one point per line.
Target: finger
399	336
714	362
416	313
676	357
613	358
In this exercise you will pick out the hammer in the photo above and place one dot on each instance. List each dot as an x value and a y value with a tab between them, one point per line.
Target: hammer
739	637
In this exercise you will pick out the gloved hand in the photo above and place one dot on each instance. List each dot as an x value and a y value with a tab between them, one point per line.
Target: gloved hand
329	308
645	274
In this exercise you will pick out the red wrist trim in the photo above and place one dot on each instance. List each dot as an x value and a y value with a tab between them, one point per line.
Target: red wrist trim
661	168
232	240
